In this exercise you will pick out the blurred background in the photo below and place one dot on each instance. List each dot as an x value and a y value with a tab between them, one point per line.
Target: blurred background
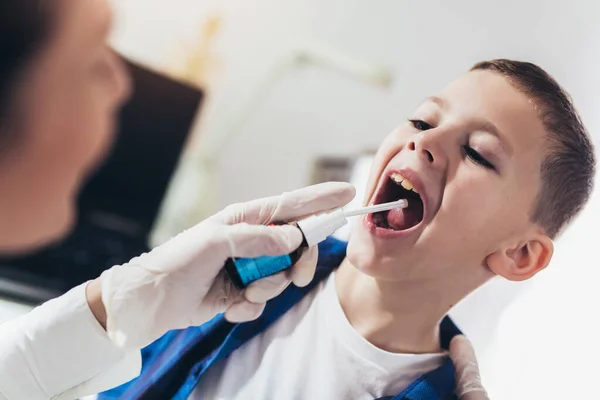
265	96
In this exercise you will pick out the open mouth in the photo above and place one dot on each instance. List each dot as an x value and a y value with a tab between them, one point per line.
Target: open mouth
398	187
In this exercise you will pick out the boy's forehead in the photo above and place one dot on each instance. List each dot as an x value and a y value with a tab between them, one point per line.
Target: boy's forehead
489	96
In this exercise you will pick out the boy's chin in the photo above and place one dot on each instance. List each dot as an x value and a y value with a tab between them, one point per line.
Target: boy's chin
367	260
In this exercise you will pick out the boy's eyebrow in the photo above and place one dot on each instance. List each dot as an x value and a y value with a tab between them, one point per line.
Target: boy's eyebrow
437	100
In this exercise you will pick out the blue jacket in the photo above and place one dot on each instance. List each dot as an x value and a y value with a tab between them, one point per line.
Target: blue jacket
174	364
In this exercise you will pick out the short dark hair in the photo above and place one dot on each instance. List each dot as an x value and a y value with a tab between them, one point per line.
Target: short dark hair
568	169
24	26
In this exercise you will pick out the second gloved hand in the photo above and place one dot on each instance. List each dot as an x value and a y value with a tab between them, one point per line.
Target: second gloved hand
182	283
468	378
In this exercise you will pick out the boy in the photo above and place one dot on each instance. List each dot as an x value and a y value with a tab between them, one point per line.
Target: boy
494	167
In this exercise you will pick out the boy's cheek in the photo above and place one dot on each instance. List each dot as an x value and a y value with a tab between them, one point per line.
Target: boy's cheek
379	163
460	225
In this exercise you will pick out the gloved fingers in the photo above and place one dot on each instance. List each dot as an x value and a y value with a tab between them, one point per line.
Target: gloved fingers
270	287
475	395
244	311
290	206
304	271
312	200
258	240
468	378
221	295
267	288
244	305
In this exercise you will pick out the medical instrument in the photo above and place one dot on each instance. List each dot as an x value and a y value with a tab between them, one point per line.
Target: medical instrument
315	229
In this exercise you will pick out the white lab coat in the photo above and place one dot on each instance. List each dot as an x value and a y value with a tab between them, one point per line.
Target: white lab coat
60	351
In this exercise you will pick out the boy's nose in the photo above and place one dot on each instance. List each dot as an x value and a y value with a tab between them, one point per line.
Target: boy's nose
428	149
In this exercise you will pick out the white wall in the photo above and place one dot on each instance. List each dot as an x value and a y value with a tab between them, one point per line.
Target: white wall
547	338
427	43
548	333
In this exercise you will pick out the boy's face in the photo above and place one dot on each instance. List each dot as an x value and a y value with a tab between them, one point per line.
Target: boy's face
473	153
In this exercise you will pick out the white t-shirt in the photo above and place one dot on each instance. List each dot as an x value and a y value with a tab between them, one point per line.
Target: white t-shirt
313	352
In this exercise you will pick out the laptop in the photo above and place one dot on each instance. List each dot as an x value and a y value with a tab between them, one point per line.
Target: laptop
120	203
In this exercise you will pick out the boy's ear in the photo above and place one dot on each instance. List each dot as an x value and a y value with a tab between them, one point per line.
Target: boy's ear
521	261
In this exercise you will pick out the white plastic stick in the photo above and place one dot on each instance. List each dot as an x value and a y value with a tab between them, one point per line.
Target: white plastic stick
378	208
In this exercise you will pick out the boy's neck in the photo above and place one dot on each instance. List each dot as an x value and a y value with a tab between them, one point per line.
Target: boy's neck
399	317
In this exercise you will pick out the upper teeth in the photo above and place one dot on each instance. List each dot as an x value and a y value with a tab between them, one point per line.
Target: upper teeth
404	182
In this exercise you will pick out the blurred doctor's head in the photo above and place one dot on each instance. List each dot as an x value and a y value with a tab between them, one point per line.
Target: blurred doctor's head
61	87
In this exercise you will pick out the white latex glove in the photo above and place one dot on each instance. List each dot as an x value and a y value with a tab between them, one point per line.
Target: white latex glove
468	379
182	284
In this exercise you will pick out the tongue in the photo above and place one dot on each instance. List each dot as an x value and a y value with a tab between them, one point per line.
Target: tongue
400	219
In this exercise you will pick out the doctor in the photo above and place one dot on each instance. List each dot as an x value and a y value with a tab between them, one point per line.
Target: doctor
60	90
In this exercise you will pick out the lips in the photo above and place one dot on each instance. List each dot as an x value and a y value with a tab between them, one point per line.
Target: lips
395	185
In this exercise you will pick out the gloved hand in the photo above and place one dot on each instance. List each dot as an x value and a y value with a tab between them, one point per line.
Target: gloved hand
468	379
182	283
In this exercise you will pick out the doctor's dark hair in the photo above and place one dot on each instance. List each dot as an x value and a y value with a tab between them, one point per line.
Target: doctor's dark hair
24	28
568	170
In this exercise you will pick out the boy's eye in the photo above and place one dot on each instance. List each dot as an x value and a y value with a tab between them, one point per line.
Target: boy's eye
420	125
478	158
